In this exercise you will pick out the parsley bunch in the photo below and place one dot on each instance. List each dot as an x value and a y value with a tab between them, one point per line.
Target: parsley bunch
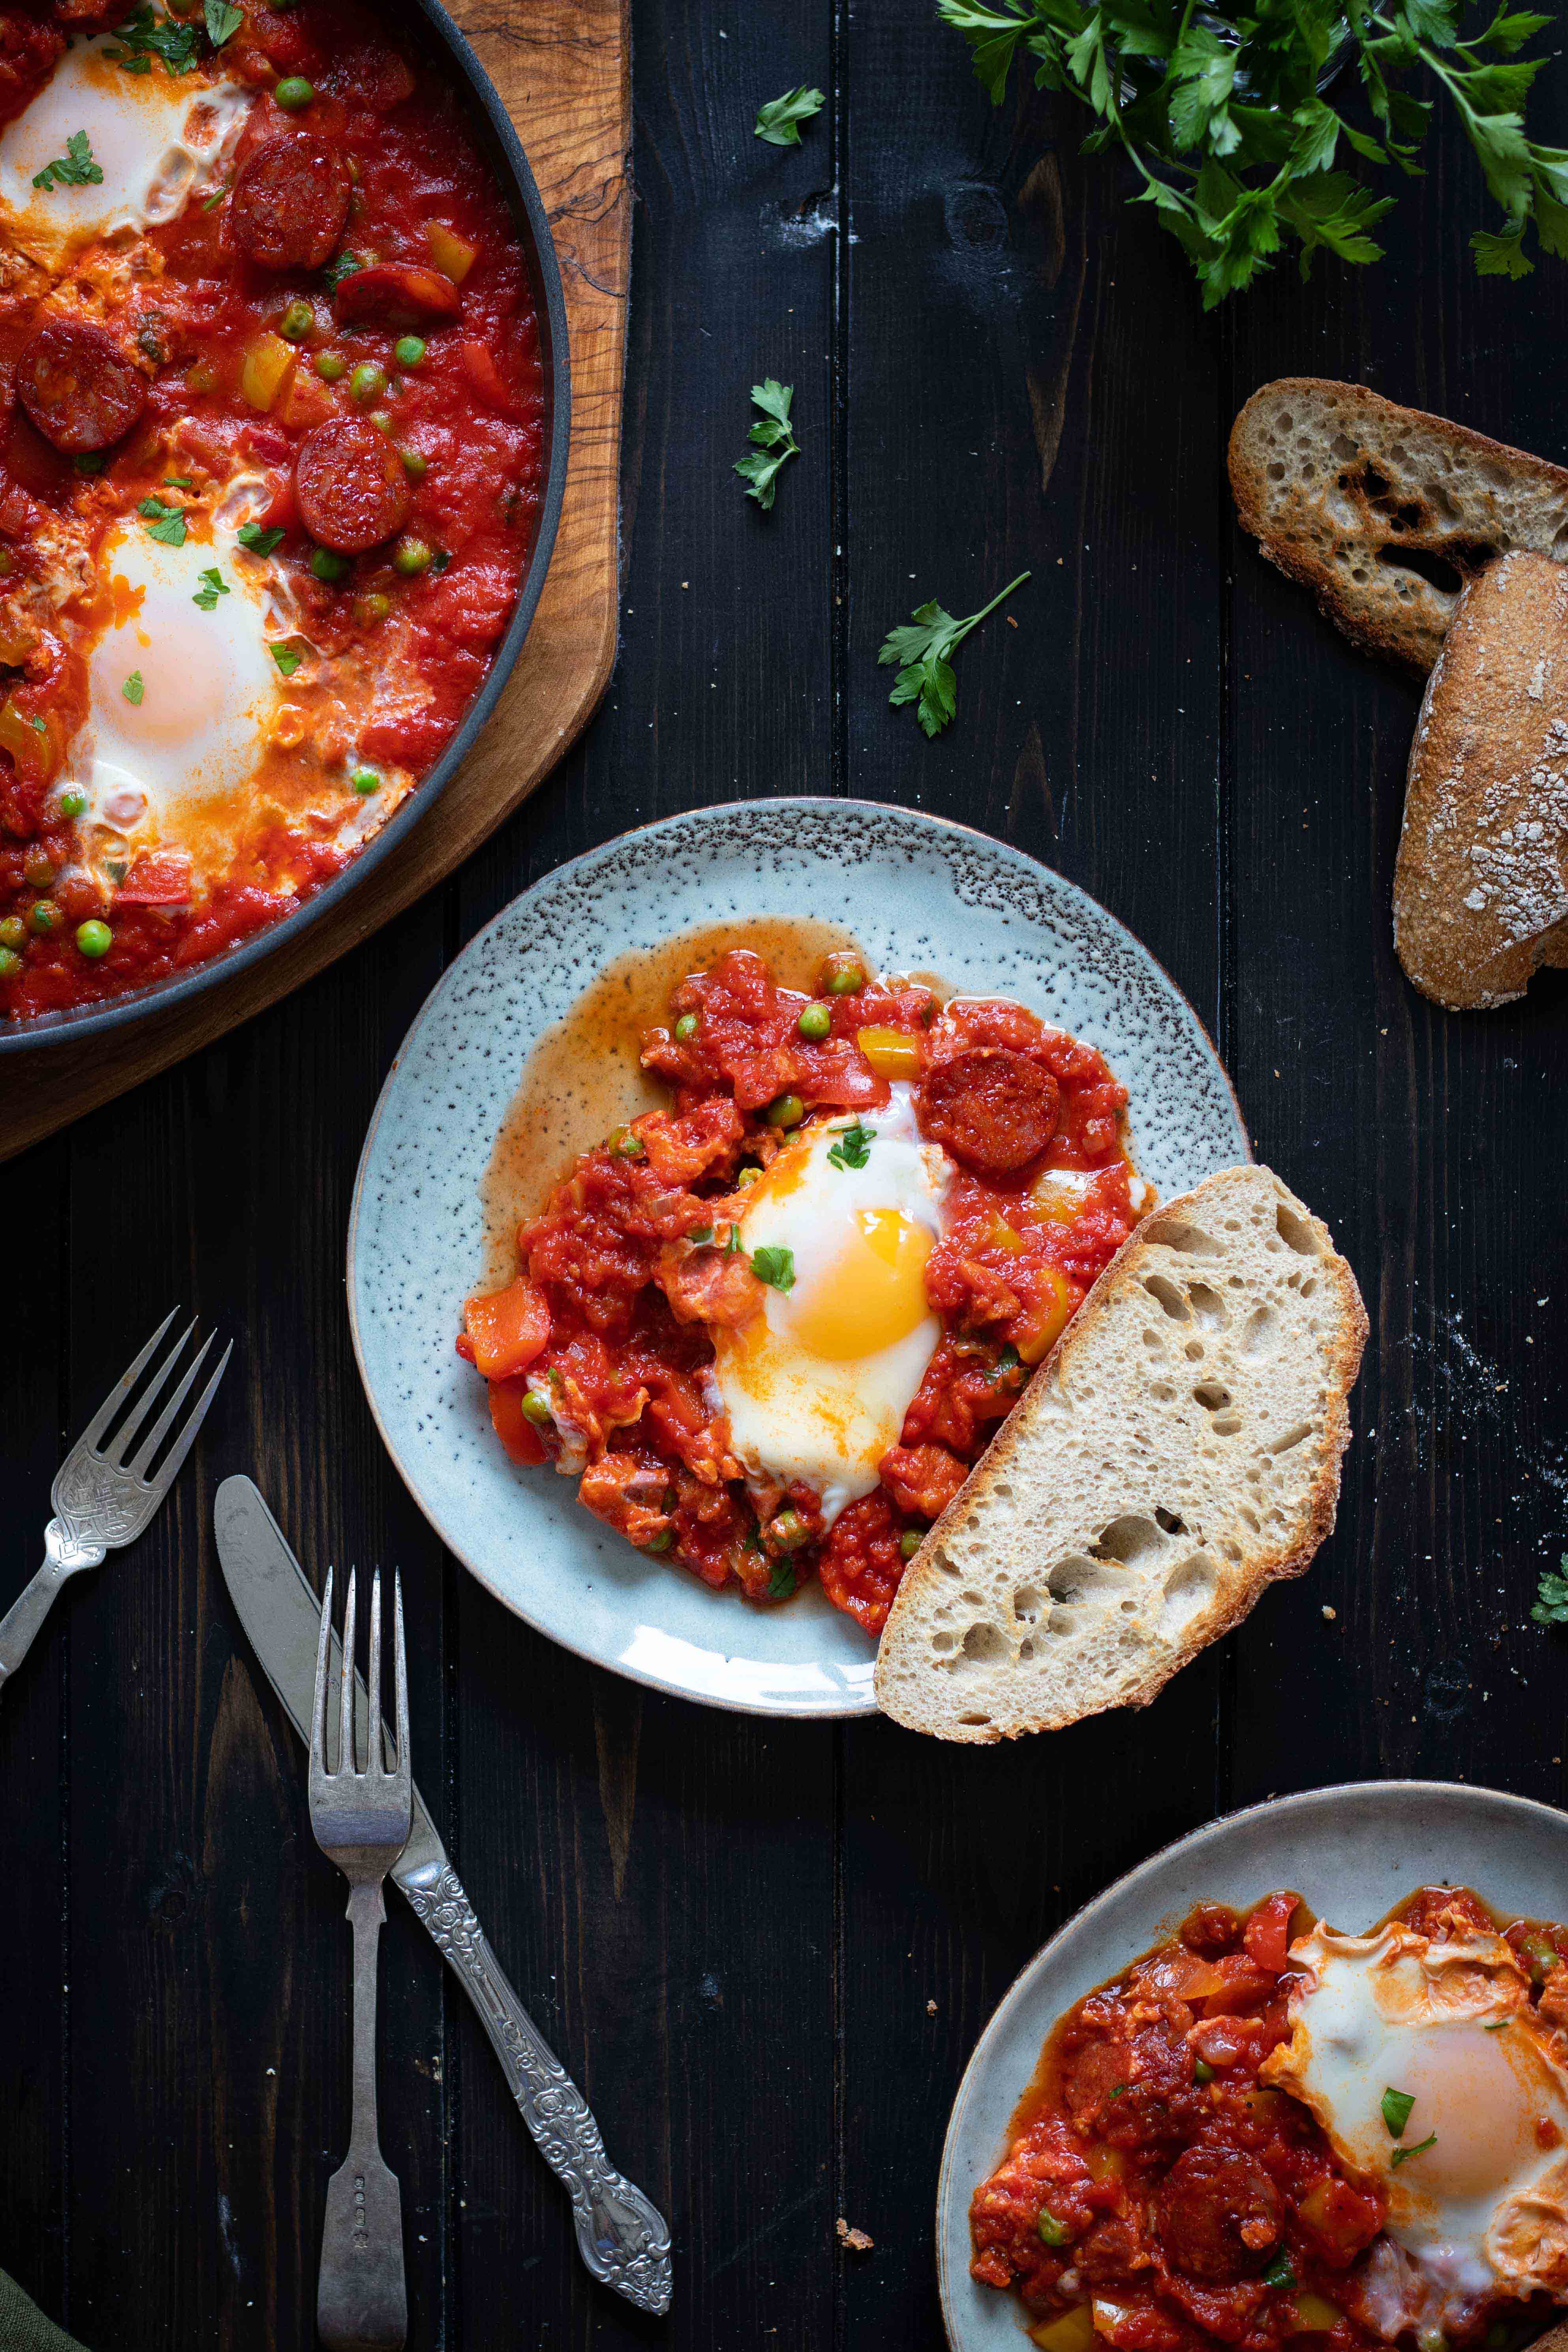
1217	109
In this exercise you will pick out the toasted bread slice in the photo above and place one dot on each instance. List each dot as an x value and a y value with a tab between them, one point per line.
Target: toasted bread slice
1383	512
1178	1450
1480	891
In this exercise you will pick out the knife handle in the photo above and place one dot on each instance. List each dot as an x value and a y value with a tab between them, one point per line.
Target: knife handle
621	2235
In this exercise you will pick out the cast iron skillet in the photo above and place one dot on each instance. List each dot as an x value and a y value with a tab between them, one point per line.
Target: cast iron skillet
498	142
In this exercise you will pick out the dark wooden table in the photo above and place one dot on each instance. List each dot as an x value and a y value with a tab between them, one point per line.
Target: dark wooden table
734	1931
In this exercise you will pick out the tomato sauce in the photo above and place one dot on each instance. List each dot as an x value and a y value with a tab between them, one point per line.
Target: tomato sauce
597	1351
390	647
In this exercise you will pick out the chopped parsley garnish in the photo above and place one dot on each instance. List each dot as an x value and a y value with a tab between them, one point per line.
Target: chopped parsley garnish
1050	2231
734	1242
179	481
222	21
771	438
342	266
1552	1608
259	542
703	1234
145	35
74	169
1279	2272
1008	1362
287	658
853	1147
1494	2025
167	523
217	195
213	586
924	649
1396	2107
776	1267
779	118
132	689
1399	2153
781	1583
439	561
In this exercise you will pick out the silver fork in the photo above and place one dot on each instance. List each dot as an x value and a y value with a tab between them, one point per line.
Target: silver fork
103	1501
362	1821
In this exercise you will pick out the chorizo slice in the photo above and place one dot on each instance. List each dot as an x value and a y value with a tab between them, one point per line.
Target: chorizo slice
349	485
993	1109
398	295
1218	2213
290	200
81	390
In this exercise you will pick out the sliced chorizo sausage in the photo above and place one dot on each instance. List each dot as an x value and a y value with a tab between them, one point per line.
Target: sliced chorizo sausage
349	485
290	200
398	295
78	387
1218	2213
993	1109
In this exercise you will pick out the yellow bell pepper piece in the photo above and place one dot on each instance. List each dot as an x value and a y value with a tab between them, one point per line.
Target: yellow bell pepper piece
268	360
1073	2332
1050	1318
1314	2313
35	747
452	255
890	1053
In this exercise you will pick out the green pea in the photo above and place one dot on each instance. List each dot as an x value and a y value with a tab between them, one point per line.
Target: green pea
365	780
414	464
909	1542
660	1542
536	1410
90	461
408	351
373	607
789	1532
626	1145
367	382
814	1022
412	556
785	1110
1051	2231
1201	2070
10	963
297	321
94	938
13	931
746	1176
382	419
686	1028
845	979
39	868
44	917
73	801
327	566
294	93
331	366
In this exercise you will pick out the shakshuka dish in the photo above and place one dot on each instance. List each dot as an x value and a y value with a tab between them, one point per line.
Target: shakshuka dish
272	414
770	1327
1265	2131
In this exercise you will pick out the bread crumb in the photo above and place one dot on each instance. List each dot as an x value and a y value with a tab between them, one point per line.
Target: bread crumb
1329	1613
930	2009
856	2239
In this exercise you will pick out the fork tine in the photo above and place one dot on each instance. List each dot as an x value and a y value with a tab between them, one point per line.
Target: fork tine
137	1466
400	1676
115	1453
122	1387
319	1703
348	1760
374	1746
187	1436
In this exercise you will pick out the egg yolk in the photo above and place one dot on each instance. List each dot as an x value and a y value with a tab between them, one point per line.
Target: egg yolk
873	1293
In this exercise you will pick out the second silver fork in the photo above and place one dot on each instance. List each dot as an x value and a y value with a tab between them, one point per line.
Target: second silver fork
361	1820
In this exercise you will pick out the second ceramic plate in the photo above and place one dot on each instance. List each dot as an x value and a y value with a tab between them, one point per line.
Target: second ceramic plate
919	895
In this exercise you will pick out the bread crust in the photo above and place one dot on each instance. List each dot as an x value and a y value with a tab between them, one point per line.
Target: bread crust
1341	486
1480	890
1005	1463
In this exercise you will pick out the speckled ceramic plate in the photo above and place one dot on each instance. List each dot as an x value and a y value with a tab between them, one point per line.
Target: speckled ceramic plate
1353	1852
919	895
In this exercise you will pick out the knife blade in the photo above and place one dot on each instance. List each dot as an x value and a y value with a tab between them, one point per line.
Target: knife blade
623	2240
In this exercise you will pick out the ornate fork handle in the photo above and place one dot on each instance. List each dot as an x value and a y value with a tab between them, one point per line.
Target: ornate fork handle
623	2239
65	1552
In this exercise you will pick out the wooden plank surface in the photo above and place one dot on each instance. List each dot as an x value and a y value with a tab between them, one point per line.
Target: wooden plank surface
735	1933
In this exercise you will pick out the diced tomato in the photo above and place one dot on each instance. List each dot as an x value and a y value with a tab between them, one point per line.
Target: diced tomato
512	1426
1266	1936
508	1327
162	879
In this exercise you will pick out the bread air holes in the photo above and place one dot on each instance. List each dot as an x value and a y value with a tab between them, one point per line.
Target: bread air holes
1171	1232
1216	1401
1207	1306
1133	1541
985	1645
1260	1332
1291	1438
1028	1604
1161	1288
1296	1232
1188	1590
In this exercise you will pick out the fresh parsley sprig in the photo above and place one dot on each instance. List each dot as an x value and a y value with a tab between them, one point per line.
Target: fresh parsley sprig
853	1147
771	438
222	21
924	649
1222	119
776	1267
779	119
74	169
1552	1608
145	35
165	522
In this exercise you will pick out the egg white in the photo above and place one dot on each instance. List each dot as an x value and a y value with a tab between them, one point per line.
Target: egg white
797	1413
158	138
1483	2211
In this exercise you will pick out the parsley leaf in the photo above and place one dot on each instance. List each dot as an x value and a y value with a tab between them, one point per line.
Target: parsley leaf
782	1582
779	121
213	586
132	689
1279	2272
167	523
287	658
222	21
342	266
145	35
1396	2107
853	1147
771	437
924	647
1552	1608
74	169
701	1234
1399	2153
776	1267
259	542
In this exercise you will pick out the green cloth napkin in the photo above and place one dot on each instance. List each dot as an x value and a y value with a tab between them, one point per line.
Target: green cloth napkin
23	2329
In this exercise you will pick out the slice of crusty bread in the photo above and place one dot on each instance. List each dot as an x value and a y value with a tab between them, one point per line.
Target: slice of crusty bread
1480	891
1178	1450
1383	512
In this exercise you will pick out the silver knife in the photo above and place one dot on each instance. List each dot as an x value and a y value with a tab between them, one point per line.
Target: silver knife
622	2238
